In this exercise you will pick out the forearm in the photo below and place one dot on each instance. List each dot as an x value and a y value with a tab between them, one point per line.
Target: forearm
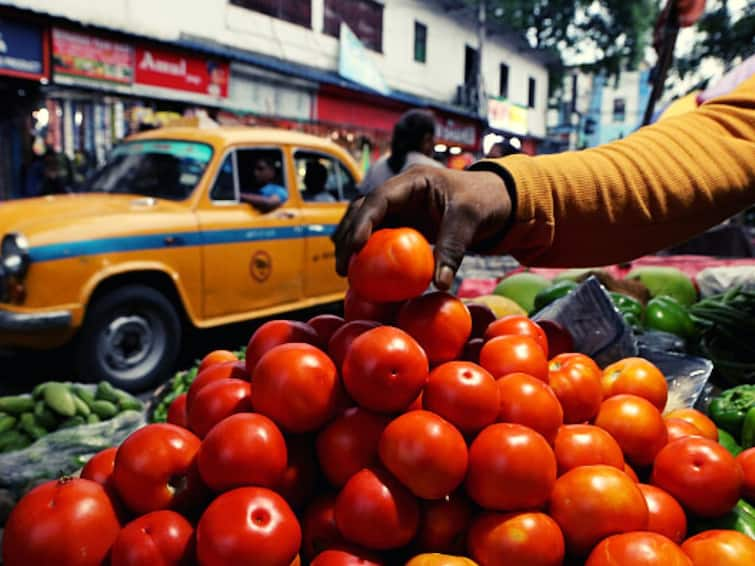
265	204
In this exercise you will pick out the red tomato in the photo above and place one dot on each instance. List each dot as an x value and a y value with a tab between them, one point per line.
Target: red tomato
297	485
636	425
274	333
248	522
376	511
436	559
297	386
585	445
590	503
439	322
528	401
720	547
679	428
512	354
100	467
395	264
482	316
472	350
665	515
415	405
706	426
319	529
177	413
344	558
515	456
325	325
160	537
746	461
444	524
635	376
225	370
560	340
69	522
349	444
575	379
216	357
630	472
701	474
341	341
385	369
516	539
519	325
637	549
359	308
216	401
425	453
464	394
155	468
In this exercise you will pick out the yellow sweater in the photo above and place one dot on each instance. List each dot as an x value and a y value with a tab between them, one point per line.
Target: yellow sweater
657	187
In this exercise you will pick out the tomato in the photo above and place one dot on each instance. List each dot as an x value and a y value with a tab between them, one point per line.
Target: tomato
637	549
248	522
515	456
706	426
746	461
511	353
425	453
528	401
472	349
225	370
636	425
482	316
665	515
720	547
630	472
375	511
155	468
590	503
385	369
345	558
395	264
416	405
439	322
69	522
560	340
319	529
679	428
435	559
520	325
297	386
700	473
325	325
160	537
464	394
274	333
349	444
585	445
635	376
216	401
575	379
298	483
343	337
444	524
359	308
100	467
516	539
177	413
216	357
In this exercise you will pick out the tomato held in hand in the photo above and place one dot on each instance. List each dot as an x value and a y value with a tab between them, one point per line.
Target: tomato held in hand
586	445
274	333
530	402
444	524
325	325
635	376
575	379
394	265
216	357
665	515
177	413
703	423
638	549
519	325
160	537
216	401
746	461
511	353
720	547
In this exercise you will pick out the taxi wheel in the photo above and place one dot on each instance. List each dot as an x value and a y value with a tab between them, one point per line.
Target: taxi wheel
131	337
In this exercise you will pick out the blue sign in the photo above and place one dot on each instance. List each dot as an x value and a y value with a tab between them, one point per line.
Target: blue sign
354	63
21	50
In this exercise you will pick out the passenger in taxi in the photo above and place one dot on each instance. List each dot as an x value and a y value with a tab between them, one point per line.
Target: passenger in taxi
315	179
267	195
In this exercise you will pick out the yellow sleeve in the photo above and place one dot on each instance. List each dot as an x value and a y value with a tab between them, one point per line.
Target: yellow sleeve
659	186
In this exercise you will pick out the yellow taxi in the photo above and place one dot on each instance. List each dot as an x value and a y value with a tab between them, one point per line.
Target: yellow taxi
182	226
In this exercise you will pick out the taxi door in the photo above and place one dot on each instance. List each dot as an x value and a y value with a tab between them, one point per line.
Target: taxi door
251	260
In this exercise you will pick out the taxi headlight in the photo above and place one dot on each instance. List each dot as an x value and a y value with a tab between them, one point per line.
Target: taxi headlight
14	254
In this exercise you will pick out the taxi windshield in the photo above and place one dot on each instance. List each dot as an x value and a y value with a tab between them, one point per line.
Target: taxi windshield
165	169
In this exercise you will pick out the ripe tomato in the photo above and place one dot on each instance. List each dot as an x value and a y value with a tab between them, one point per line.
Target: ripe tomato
349	444
225	370
746	461
319	529
343	337
679	428
516	539
637	549
636	425
248	522
482	316
155	468
472	350
297	386
435	559
439	322
216	401
630	472
464	394
177	413
575	379
530	402
515	456
100	467
359	308
520	325
395	264
425	453
160	537
385	369
299	480
560	340
375	511
720	547
325	325
444	524
706	426
511	353
590	503
216	357
585	445
635	376
345	558
68	521
665	515
274	333
700	473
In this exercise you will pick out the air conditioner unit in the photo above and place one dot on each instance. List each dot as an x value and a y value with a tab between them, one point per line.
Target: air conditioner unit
467	96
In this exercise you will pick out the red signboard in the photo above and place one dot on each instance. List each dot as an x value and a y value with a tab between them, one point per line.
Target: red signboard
176	71
86	56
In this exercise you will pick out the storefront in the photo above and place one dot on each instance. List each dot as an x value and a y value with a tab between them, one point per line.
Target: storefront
508	122
457	139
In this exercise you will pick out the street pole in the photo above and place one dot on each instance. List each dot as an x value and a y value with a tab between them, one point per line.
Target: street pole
481	99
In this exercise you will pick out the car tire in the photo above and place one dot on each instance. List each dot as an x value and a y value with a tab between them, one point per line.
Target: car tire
131	337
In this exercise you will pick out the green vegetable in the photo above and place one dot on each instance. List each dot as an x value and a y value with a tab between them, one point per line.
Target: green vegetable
30	426
59	398
748	430
132	404
81	407
11	440
73	421
728	410
16	405
92	418
106	392
555	291
729	442
667	281
44	416
627	305
38	391
741	518
668	315
104	409
83	394
7	422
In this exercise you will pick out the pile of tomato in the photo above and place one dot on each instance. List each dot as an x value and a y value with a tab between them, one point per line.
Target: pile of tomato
419	431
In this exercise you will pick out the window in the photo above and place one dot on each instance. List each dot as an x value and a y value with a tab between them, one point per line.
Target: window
503	86
470	65
531	93
295	11
619	110
364	17
322	178
224	188
259	168
420	42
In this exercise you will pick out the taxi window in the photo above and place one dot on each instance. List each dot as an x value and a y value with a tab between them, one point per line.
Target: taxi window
318	177
224	188
261	171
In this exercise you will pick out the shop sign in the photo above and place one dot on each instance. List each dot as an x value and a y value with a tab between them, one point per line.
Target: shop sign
506	116
22	50
165	69
453	132
354	62
79	55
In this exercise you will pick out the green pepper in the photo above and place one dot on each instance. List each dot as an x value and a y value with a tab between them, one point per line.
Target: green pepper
741	519
627	305
728	410
748	430
668	314
729	442
555	291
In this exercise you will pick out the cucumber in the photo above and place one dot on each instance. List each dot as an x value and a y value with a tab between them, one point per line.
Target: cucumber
29	425
59	398
44	416
38	391
73	421
7	422
106	392
81	407
104	409
83	394
132	404
17	404
92	418
13	440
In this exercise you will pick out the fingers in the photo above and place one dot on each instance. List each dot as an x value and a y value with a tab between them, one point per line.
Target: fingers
342	235
456	234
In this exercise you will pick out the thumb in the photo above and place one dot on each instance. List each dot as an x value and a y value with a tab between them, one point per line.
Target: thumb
457	230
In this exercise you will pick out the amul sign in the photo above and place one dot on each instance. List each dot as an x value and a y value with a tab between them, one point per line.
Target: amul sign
178	71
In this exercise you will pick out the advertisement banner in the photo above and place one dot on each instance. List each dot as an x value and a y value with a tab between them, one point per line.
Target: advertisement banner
175	71
457	132
506	116
355	64
79	55
22	50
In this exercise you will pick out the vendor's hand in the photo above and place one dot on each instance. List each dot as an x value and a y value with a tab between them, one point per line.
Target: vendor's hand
454	209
